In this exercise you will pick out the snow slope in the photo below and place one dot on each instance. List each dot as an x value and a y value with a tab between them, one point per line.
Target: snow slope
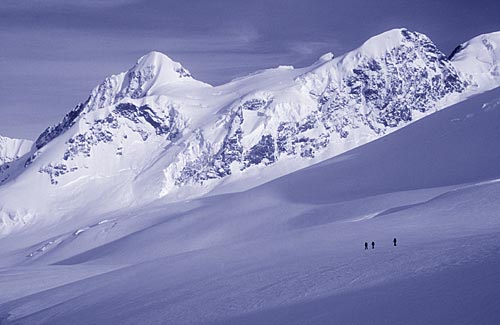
291	251
10	151
13	149
155	132
480	57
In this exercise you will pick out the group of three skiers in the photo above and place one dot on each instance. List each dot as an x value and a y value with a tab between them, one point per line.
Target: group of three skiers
373	243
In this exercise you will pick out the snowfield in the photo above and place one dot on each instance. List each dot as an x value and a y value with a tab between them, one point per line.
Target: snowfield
290	251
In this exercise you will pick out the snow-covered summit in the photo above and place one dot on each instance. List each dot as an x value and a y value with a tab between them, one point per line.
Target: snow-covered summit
152	72
379	44
480	59
164	66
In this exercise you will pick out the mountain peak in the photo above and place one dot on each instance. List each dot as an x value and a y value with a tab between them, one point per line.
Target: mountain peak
161	62
154	73
156	132
379	44
159	66
479	57
154	56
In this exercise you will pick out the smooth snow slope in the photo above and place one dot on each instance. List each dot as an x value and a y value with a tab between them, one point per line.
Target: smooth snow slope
291	251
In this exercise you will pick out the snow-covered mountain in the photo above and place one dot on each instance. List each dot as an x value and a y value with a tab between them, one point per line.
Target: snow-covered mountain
290	251
11	150
155	132
479	59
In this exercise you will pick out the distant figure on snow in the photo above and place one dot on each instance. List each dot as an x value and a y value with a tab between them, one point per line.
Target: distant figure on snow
395	241
373	245
366	245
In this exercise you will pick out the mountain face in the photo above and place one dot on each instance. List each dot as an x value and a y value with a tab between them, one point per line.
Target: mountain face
11	150
151	72
366	93
156	132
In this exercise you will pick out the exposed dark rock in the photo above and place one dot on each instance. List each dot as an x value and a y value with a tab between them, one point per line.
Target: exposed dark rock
263	151
54	131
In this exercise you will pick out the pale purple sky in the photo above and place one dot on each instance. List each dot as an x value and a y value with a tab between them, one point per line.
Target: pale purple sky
53	52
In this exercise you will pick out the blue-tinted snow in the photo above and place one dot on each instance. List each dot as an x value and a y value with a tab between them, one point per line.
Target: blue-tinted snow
291	251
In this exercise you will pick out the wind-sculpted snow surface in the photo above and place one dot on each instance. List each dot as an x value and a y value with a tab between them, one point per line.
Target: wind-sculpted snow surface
154	131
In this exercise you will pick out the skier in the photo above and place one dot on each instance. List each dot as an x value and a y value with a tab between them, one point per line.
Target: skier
395	241
366	245
373	245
